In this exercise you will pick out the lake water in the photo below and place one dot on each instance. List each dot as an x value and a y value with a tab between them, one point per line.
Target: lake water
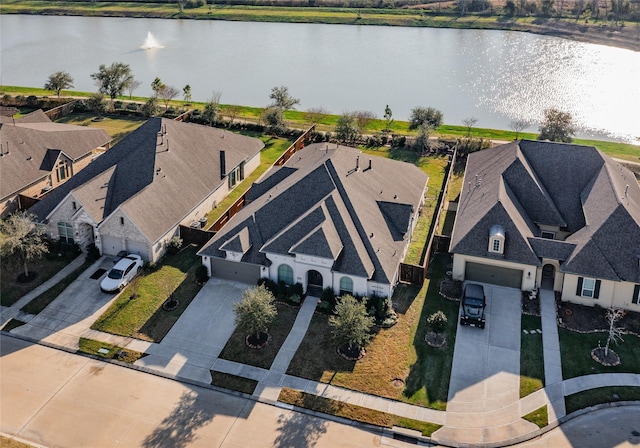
494	76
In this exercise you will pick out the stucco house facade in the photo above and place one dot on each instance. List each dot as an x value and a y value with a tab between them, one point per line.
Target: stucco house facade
37	155
542	214
135	196
329	217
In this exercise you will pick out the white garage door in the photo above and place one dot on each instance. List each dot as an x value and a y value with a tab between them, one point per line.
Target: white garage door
135	247
495	275
111	246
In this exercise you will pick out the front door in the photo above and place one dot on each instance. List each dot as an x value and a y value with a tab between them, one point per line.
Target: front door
314	283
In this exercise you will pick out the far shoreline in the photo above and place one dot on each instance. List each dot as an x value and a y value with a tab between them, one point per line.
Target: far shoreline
626	36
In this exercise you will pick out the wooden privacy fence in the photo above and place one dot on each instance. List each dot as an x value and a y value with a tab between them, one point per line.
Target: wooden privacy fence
414	274
199	237
60	111
241	201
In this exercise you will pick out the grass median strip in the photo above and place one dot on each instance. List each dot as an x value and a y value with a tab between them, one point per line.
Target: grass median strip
531	356
354	412
538	417
601	395
233	382
40	302
138	311
108	351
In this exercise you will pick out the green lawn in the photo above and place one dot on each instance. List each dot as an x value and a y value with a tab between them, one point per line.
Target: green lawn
116	126
93	347
233	382
237	350
575	349
600	395
531	356
538	417
138	312
396	353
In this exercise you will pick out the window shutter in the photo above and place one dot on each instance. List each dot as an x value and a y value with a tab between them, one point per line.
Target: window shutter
596	293
636	293
579	288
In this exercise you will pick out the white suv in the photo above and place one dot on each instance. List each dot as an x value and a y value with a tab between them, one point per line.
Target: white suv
122	273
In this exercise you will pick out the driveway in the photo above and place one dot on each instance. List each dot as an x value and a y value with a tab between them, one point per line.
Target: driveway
64	320
197	338
485	375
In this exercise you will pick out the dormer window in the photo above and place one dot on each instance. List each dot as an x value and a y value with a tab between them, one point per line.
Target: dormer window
496	239
548	235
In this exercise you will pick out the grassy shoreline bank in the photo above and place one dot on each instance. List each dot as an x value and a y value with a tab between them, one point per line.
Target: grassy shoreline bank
596	32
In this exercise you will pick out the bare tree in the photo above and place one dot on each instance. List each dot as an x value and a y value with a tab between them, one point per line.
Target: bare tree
167	93
212	108
615	333
363	119
518	126
232	112
315	115
469	123
133	86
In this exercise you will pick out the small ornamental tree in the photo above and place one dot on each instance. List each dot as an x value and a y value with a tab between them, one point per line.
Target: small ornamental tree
557	126
21	240
351	325
58	81
388	119
281	98
615	333
425	115
255	312
437	322
273	119
347	128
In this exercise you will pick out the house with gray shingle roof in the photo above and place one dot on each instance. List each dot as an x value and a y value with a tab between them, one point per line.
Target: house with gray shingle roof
331	216
135	196
37	155
543	214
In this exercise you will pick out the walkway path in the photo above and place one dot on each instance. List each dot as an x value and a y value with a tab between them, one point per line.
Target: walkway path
552	358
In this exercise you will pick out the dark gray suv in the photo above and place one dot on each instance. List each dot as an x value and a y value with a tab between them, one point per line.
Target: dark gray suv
473	303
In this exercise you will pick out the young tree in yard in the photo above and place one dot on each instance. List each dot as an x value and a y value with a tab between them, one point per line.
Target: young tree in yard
282	99
150	108
351	326
255	312
347	128
422	140
363	119
113	80
133	85
557	126
518	126
421	115
59	81
274	120
437	323
96	103
186	93
21	240
167	93
615	333
315	115
212	108
232	112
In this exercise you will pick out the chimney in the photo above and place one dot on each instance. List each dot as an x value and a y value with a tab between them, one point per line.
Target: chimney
223	165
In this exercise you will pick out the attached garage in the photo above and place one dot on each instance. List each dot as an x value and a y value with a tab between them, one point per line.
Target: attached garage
111	246
232	270
496	275
138	248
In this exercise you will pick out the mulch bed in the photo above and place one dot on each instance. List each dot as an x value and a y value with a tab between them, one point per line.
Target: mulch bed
435	340
609	360
261	341
451	289
530	306
587	319
351	354
26	278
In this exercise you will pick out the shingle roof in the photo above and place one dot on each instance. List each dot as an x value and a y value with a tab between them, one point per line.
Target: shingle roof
574	187
30	149
157	174
318	204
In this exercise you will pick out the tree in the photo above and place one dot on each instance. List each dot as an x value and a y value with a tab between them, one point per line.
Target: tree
351	326
518	126
437	322
255	312
212	108
315	115
232	112
22	240
167	93
113	80
363	119
469	123
422	141
156	86
388	118
615	333
133	85
96	103
274	120
421	115
150	107
59	81
346	128
557	126
282	99
186	93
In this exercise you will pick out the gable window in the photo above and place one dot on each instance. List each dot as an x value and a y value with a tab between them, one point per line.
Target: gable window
121	221
588	287
285	274
548	235
496	239
65	230
346	286
74	205
636	295
62	170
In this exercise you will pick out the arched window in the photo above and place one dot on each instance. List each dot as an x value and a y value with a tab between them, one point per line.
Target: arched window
346	286
285	274
496	239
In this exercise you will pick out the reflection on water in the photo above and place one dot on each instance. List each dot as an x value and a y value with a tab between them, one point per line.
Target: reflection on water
495	76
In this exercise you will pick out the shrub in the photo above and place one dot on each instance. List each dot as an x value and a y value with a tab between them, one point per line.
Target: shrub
295	299
328	295
132	107
269	284
32	101
437	322
93	253
174	245
398	141
325	307
117	104
202	274
281	291
297	289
